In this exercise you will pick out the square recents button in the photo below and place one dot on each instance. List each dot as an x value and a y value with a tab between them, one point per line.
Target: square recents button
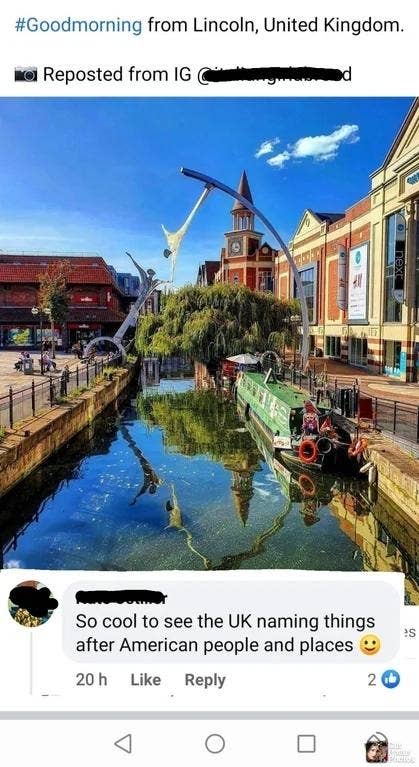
306	744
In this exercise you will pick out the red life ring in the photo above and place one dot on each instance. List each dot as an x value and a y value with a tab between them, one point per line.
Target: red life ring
357	447
307	486
307	452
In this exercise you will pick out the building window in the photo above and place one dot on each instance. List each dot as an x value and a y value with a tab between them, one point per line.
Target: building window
20	336
392	357
309	280
253	245
265	282
358	352
235	279
394	245
333	346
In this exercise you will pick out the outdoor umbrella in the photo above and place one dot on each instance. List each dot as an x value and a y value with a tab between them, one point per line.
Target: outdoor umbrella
244	359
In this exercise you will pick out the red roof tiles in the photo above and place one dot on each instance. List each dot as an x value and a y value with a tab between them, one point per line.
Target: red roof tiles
31	273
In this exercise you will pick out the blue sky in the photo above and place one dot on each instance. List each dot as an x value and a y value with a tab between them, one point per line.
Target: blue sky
102	175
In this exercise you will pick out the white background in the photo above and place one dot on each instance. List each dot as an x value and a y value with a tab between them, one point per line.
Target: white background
382	64
249	686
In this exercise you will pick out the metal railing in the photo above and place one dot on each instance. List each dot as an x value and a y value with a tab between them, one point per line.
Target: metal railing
342	393
397	418
31	400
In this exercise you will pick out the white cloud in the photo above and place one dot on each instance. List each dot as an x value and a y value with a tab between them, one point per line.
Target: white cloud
266	147
279	160
321	148
325	147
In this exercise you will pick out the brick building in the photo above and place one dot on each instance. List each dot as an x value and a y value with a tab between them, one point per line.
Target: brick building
97	304
360	268
318	244
206	273
246	259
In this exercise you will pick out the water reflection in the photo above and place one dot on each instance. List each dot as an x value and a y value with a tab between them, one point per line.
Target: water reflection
177	481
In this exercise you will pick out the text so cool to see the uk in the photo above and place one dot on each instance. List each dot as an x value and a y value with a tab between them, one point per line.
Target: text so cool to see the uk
255	621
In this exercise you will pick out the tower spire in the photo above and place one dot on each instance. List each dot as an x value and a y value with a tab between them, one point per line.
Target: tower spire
242	217
243	189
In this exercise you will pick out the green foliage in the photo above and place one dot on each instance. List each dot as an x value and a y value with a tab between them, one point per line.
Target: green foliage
2	433
78	390
53	290
214	322
200	423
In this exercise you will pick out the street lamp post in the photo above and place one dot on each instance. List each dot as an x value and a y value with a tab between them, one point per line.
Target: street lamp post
48	312
295	320
35	311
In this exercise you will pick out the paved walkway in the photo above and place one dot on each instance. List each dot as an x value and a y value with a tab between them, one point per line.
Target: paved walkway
370	383
10	377
374	385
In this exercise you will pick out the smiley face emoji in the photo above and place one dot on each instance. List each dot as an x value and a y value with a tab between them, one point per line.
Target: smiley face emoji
370	644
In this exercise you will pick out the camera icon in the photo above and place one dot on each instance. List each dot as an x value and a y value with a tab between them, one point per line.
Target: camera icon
26	74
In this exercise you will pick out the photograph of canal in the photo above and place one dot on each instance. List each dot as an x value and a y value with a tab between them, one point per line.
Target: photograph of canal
176	480
209	335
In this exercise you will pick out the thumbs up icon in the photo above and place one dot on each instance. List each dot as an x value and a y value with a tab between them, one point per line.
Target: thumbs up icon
390	679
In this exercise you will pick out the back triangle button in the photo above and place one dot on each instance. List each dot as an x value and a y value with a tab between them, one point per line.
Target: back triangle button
125	744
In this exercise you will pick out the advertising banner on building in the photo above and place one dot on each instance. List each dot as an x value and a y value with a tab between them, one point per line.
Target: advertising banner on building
399	258
358	284
342	292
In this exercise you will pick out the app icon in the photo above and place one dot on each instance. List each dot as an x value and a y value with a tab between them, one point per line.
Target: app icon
376	748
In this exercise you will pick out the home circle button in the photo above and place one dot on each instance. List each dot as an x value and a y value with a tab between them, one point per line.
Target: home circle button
215	743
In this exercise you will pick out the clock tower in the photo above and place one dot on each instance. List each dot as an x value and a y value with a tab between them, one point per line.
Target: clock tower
242	254
242	240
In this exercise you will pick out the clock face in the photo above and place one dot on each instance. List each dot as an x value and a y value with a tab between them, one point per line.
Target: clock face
235	247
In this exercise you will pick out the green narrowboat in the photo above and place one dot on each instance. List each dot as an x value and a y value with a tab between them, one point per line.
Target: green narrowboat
302	432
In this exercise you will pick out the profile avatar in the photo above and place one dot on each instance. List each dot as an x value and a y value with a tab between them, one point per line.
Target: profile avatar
31	604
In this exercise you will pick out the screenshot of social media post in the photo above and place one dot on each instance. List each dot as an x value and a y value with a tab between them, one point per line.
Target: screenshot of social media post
209	384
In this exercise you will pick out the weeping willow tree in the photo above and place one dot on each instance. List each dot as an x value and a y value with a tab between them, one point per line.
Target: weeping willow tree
214	322
196	423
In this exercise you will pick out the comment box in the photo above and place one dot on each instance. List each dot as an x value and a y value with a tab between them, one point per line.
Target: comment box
250	619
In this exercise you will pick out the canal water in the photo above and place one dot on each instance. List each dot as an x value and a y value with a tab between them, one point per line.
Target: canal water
176	480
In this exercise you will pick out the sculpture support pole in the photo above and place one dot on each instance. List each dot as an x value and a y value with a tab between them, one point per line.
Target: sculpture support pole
246	204
147	286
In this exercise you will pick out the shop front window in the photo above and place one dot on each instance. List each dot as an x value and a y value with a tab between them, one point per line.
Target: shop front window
19	336
358	352
392	358
395	250
309	280
47	335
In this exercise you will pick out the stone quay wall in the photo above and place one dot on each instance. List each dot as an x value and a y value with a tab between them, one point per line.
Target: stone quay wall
36	439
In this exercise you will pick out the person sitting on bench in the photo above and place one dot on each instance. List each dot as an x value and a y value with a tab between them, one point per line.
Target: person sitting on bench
19	363
49	364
